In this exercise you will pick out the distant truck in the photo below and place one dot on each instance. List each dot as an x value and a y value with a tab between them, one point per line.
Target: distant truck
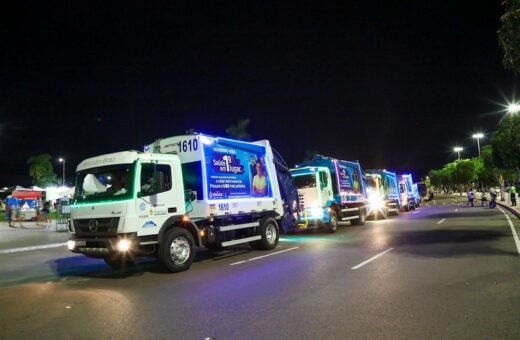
183	192
407	194
424	192
383	193
331	191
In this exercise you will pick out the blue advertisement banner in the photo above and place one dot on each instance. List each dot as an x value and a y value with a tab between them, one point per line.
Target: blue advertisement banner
348	180
236	170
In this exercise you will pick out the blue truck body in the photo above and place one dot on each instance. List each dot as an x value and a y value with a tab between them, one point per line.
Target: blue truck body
407	194
330	191
383	192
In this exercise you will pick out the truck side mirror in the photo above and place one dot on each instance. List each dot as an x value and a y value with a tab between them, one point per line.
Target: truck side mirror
191	195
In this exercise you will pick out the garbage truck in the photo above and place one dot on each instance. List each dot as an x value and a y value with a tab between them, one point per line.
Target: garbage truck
330	191
178	194
383	193
406	192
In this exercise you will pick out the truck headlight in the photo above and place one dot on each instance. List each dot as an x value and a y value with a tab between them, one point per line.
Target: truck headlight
71	244
123	245
376	202
316	212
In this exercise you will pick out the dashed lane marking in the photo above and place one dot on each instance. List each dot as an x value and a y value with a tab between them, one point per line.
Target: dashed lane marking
261	257
371	259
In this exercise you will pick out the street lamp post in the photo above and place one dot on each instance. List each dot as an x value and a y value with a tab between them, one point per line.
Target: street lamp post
478	136
62	160
457	149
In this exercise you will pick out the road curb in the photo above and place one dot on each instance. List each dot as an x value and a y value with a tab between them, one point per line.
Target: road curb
513	210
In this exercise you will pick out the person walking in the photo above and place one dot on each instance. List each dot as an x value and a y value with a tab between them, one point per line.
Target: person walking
512	195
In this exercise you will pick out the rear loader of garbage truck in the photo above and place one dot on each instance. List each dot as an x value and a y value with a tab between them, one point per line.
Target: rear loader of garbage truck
183	192
331	191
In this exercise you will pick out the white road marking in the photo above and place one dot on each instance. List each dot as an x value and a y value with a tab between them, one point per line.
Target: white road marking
263	256
45	246
371	259
513	230
441	221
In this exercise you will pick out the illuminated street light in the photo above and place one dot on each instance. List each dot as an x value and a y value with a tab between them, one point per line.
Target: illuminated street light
478	136
513	108
62	160
457	149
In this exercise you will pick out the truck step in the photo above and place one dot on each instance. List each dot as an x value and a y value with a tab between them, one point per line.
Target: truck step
242	240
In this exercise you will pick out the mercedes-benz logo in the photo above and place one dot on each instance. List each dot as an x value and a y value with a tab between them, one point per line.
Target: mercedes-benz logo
93	225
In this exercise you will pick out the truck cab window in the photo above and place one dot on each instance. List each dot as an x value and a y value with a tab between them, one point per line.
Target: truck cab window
155	178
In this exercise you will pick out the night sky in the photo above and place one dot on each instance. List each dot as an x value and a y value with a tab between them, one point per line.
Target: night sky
393	84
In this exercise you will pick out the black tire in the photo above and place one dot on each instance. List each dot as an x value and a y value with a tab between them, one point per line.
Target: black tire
177	250
361	220
270	233
118	263
332	226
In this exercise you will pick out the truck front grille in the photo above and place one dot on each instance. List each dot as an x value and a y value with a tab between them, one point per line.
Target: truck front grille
96	226
302	201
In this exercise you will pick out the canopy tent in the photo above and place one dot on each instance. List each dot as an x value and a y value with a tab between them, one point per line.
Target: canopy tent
27	194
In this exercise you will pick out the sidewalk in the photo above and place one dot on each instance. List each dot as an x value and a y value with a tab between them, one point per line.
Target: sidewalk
32	225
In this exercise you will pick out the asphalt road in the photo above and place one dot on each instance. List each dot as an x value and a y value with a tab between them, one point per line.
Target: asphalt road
442	271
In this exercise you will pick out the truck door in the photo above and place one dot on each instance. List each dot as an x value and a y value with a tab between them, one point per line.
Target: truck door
325	187
159	196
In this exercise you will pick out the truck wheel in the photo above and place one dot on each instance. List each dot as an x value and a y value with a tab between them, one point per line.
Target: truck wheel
269	231
361	219
177	250
119	263
332	226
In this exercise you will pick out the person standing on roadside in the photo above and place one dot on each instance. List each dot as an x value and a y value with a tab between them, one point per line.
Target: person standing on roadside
512	195
14	215
10	213
470	198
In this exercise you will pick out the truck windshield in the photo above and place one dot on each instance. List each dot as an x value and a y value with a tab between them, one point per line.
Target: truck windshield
305	181
107	183
372	184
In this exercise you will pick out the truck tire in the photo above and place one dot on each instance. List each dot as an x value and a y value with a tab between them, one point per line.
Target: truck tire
117	263
269	231
332	226
177	250
361	220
